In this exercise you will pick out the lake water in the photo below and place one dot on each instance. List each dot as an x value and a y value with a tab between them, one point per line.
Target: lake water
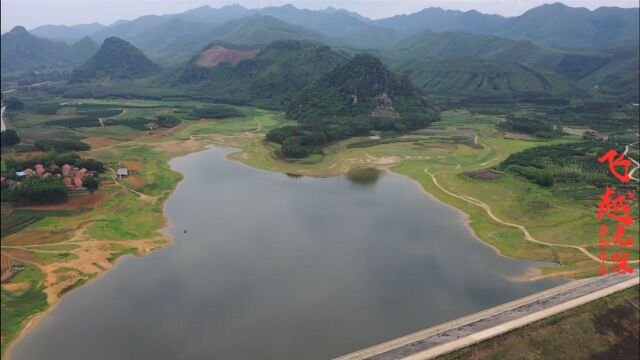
281	267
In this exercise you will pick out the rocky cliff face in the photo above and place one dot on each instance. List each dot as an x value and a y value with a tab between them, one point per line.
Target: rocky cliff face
363	86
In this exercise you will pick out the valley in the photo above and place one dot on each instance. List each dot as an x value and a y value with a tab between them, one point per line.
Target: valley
241	155
439	160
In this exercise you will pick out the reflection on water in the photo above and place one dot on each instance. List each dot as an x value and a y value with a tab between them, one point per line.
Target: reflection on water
364	175
294	176
280	268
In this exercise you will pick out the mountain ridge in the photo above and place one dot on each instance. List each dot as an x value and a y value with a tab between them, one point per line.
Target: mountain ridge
22	51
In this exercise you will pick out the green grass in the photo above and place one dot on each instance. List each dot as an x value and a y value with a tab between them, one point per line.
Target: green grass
125	251
19	306
125	217
81	281
604	329
255	119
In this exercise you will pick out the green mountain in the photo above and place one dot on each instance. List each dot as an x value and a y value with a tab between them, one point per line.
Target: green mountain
261	30
559	26
620	77
22	51
83	49
361	87
128	29
341	26
473	77
67	33
553	25
354	99
270	77
439	20
485	65
570	64
174	40
116	60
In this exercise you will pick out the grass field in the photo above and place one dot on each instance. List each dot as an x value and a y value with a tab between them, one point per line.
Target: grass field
19	305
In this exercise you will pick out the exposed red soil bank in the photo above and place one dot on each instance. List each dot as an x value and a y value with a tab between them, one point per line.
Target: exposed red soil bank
218	54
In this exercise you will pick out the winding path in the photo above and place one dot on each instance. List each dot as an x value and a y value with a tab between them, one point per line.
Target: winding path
524	230
3	127
626	151
101	121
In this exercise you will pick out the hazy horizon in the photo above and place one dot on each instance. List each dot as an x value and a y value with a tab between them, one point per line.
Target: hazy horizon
34	13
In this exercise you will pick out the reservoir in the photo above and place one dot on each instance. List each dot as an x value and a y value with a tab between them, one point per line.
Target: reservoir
275	266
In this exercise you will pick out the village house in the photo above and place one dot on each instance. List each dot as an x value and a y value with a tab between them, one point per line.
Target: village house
40	170
66	170
120	172
72	176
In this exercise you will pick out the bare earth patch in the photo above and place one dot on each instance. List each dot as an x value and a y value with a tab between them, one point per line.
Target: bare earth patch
132	164
216	55
136	181
518	136
14	287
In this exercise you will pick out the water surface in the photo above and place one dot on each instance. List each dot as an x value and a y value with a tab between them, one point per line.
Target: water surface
280	267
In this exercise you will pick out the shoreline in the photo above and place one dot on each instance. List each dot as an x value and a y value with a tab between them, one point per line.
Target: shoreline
466	222
169	241
533	273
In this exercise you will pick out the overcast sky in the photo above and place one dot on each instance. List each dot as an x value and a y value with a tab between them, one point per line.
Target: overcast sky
32	13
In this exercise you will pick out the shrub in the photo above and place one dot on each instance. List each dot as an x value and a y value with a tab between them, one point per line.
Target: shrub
217	112
9	137
167	121
293	147
90	183
61	145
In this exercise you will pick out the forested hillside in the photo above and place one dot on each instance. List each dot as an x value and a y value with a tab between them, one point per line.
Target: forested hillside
22	51
354	99
272	78
363	86
116	60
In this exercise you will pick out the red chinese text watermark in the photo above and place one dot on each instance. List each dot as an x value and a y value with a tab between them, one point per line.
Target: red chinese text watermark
616	206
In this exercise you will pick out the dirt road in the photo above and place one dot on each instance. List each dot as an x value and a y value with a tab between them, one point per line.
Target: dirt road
524	230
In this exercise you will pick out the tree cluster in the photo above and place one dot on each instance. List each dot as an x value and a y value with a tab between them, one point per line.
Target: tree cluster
40	190
307	138
529	126
9	137
61	145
